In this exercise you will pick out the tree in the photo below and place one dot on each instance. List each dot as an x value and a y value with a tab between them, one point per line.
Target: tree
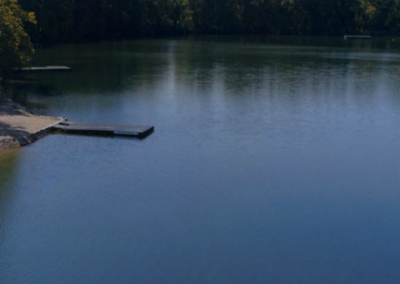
16	49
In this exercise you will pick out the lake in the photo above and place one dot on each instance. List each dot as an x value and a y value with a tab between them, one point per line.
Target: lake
274	160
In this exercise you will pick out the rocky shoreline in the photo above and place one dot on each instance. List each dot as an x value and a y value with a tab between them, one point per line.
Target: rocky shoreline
7	142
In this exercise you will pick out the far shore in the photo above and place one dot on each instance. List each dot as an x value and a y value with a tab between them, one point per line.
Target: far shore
18	127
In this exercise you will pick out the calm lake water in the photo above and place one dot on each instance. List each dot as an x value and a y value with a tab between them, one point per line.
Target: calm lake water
274	160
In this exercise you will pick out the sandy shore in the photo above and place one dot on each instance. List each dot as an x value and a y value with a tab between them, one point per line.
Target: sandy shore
20	128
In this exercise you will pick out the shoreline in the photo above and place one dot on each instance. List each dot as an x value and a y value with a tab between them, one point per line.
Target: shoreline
18	127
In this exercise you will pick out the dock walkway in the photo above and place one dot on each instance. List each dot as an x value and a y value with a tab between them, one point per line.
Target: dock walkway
140	131
357	37
43	69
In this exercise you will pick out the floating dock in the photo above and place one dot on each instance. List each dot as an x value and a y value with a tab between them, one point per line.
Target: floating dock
141	131
43	69
357	37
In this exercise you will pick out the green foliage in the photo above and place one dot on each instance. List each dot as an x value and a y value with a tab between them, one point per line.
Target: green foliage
165	17
15	46
74	20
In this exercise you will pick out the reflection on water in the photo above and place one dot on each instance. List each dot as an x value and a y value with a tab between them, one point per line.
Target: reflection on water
8	176
8	165
274	161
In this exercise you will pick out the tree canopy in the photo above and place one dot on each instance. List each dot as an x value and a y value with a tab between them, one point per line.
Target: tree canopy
15	45
91	20
73	20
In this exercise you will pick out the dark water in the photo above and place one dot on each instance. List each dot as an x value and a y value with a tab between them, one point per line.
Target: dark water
273	161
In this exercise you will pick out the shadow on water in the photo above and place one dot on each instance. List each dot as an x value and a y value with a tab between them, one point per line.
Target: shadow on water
24	94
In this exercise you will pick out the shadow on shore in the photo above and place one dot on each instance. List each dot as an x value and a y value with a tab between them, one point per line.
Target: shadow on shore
14	131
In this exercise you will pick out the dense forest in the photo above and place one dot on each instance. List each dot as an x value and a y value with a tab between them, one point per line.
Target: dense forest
76	20
55	21
15	46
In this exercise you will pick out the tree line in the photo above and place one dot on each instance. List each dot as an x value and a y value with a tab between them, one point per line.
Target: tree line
15	46
77	20
55	21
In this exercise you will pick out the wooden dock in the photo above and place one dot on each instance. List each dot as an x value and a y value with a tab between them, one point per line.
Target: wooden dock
357	37
103	130
43	69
